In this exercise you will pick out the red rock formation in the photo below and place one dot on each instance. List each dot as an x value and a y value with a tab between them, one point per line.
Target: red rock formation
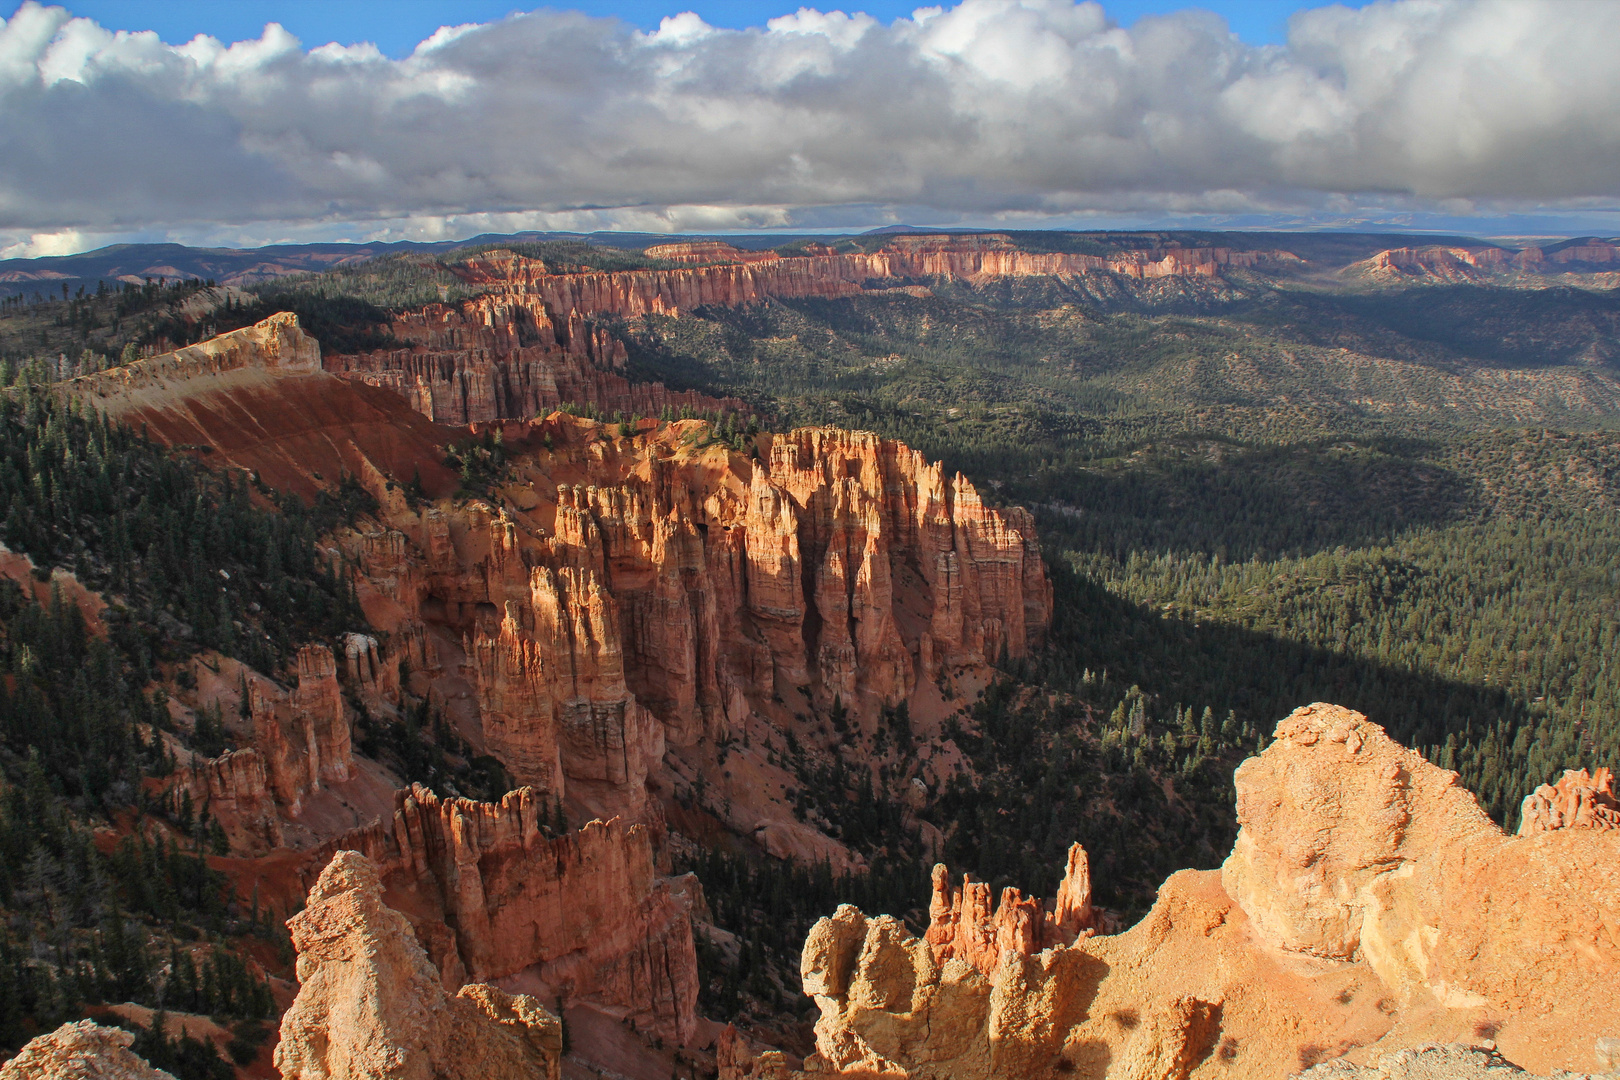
585	913
234	789
961	924
677	590
508	357
303	735
371	1007
1578	801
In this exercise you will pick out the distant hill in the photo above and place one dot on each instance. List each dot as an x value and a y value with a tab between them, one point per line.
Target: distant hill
135	263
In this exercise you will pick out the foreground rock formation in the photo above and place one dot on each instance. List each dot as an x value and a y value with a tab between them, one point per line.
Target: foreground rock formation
1368	905
81	1051
1452	1061
584	915
537	338
370	1005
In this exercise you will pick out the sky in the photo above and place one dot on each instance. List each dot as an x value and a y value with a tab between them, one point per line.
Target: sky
256	122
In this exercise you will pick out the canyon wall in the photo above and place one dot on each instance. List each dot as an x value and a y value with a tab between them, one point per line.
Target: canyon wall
493	895
502	356
535	339
1368	905
633	594
300	742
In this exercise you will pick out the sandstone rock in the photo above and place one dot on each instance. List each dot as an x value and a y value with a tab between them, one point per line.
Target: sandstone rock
81	1051
1354	847
370	1006
961	924
1368	902
1578	801
585	913
1450	1061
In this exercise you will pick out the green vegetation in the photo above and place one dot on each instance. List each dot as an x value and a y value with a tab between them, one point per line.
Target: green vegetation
192	560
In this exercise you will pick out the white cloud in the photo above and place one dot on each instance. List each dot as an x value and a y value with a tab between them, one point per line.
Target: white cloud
987	110
42	245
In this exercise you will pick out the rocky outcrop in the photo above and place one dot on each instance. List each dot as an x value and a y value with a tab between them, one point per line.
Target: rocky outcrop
961	924
1368	902
235	790
303	734
370	1005
277	345
1580	800
1449	1061
81	1051
584	913
536	338
1354	847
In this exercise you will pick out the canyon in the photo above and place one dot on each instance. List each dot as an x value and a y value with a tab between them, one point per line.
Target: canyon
635	620
607	611
533	338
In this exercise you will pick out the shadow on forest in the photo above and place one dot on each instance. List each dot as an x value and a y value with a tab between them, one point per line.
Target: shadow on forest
1264	677
1242	503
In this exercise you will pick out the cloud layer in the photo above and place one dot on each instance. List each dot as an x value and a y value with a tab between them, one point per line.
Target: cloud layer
989	109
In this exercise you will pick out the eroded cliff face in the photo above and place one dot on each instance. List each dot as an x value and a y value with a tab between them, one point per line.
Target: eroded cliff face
370	1005
583	915
536	339
634	594
1368	905
299	741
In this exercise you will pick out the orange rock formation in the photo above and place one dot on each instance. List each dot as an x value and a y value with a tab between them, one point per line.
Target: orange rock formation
585	913
81	1051
1578	801
960	922
1368	905
370	1006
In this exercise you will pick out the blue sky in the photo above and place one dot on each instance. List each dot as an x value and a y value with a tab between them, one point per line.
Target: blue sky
396	26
